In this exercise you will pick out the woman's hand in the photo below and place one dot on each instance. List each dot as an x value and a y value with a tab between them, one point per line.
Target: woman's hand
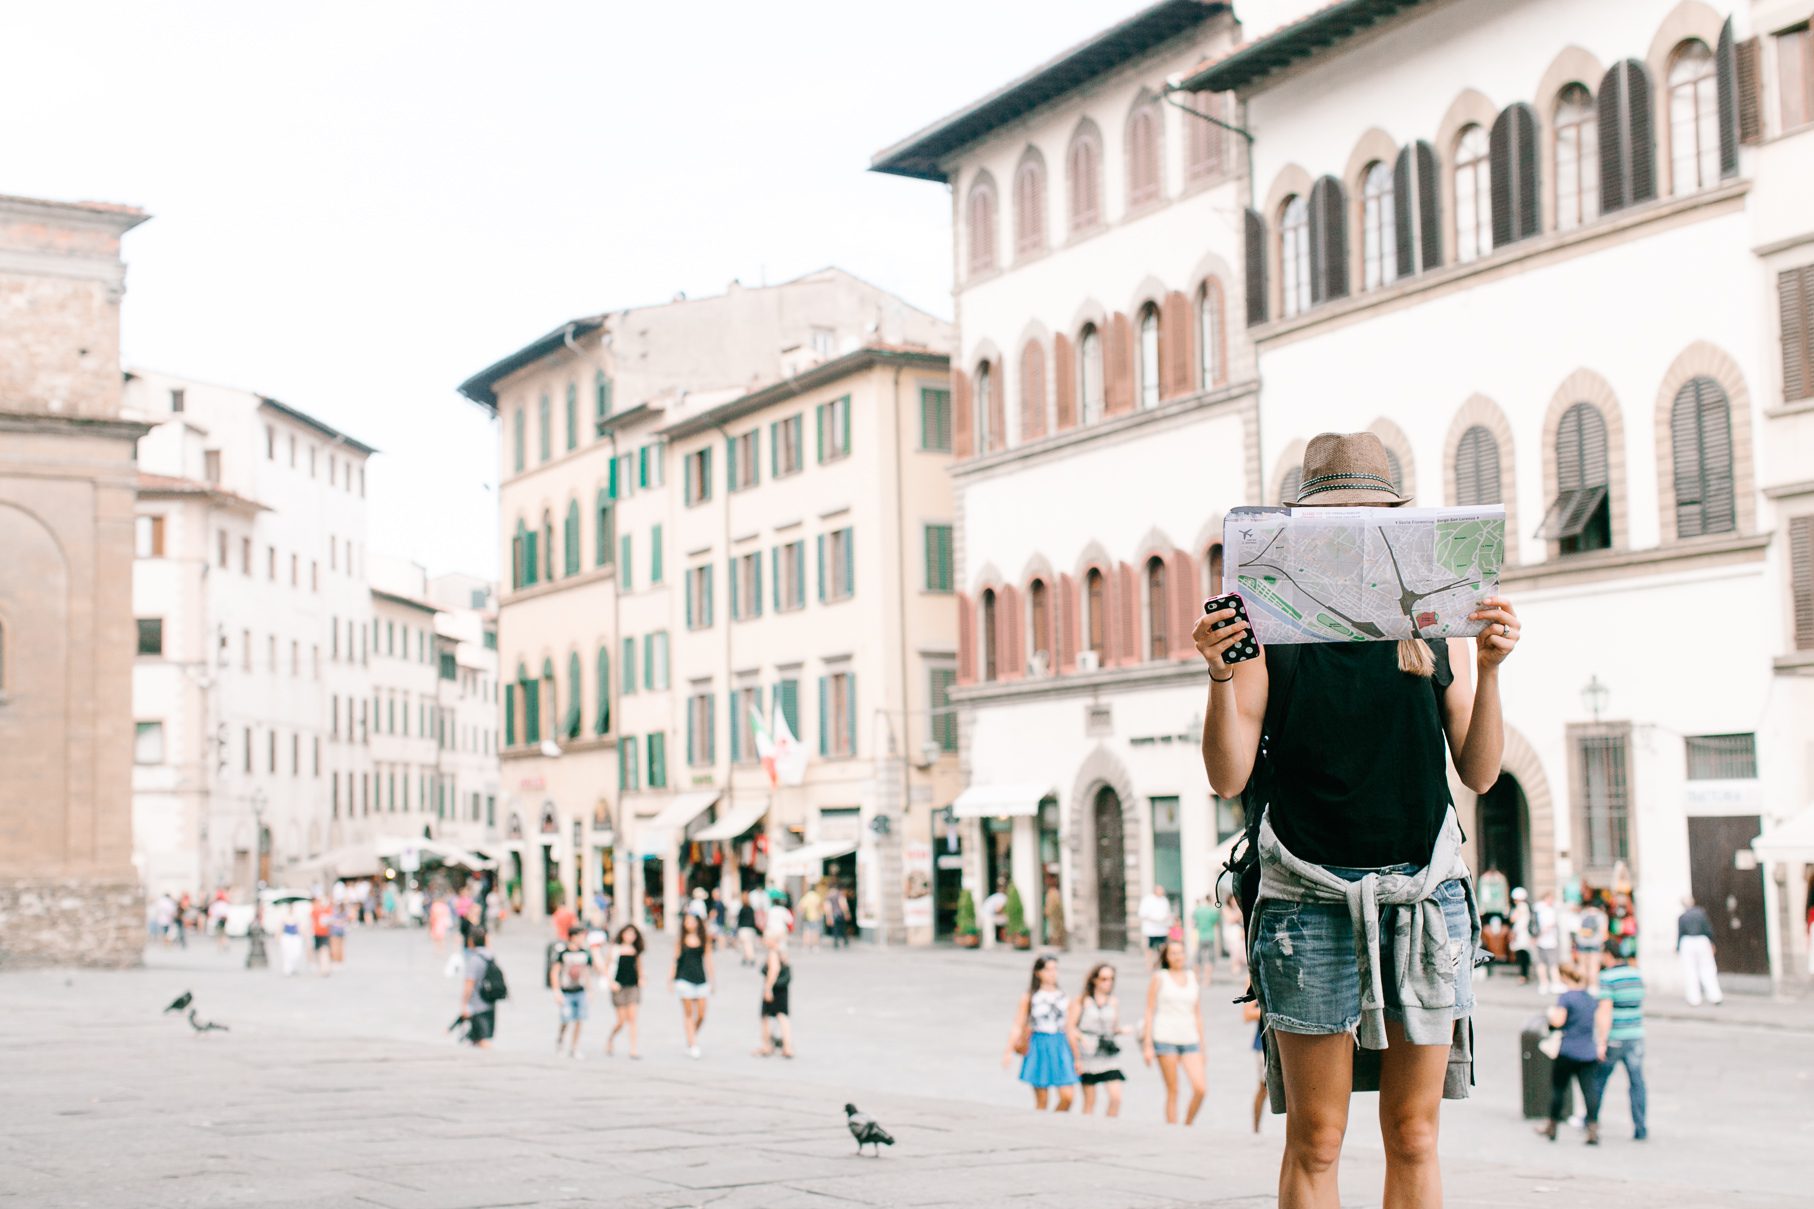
1146	1053
1213	643
1007	1056
1501	634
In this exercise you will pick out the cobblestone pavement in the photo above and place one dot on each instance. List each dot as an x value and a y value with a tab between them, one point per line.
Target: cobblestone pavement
345	1090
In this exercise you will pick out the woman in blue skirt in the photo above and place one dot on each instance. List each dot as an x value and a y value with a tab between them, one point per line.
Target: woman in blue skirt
1039	1033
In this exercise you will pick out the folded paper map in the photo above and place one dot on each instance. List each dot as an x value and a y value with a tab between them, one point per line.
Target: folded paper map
1363	574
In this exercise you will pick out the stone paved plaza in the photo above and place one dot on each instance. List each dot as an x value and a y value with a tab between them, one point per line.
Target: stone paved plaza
345	1090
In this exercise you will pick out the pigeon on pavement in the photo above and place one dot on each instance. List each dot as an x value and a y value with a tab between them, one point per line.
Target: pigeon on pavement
205	1026
179	1003
864	1129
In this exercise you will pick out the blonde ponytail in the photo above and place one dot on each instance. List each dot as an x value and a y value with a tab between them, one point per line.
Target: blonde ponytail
1414	658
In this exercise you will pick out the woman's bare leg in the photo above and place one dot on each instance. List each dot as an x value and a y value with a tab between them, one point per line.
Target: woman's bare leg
1168	1069
1319	1077
1114	1094
1065	1095
1039	1099
1089	1098
1193	1070
1410	1104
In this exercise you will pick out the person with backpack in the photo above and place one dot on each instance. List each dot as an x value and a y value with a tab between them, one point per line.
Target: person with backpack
1362	925
482	991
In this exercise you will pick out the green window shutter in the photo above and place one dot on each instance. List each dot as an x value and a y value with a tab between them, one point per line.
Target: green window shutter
755	440
686	478
843	406
622	766
705	473
756	592
692	733
800	572
850	562
731	704
529	563
736	596
730	464
516	442
824	716
604	690
850	712
655	554
774	450
611	480
666	677
931	558
775	576
626	568
642	467
575	695
572	416
628	671
819	432
821	544
510	716
707	572
692	583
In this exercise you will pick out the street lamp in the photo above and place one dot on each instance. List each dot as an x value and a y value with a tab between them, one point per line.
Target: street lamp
1594	696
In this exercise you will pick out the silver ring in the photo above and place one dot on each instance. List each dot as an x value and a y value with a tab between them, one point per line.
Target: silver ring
1505	631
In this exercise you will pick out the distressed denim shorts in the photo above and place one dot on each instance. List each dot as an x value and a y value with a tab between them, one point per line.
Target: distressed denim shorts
1303	957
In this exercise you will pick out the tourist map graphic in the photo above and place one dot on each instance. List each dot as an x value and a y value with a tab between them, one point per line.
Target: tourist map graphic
1363	574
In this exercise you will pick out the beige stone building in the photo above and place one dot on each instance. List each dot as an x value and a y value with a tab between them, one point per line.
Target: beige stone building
599	668
67	484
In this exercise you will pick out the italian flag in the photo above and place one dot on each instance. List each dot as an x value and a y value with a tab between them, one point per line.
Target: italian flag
765	746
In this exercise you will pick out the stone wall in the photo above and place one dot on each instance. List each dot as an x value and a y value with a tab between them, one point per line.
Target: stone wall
70	921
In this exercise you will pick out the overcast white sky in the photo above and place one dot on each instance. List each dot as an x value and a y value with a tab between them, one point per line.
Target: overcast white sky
358	205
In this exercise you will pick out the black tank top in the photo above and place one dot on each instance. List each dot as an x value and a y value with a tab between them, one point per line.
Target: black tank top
1359	760
689	964
626	970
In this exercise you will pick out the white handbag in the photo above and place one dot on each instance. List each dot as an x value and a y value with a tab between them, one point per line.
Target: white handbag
1551	1045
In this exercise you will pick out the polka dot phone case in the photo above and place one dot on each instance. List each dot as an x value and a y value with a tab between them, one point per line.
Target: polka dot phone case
1246	648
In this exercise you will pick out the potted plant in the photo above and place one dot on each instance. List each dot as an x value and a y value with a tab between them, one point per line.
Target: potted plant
1017	920
966	933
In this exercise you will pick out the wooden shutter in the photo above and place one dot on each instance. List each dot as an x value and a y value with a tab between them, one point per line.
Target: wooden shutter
1328	241
1581	449
1642	182
1130	614
1429	229
1512	161
1801	579
1185	602
1700	430
1528	214
963	440
1477	468
1501	188
1725	69
1175	330
1118	366
850	562
1748	88
1032	392
1065	622
1064	383
966	640
1404	212
821	551
824	716
1255	227
1795	301
1610	124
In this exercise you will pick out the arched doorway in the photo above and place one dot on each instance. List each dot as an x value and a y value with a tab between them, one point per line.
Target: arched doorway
1111	871
1504	822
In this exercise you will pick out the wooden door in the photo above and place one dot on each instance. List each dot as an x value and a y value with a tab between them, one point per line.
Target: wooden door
1726	879
1111	872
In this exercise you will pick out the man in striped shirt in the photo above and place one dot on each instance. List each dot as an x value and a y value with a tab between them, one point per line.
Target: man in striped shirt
1624	986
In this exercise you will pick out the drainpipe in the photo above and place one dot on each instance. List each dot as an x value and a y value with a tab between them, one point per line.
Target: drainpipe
894	923
730	589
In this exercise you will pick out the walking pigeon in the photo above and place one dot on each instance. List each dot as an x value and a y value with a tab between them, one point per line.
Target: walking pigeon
205	1026
179	1003
864	1129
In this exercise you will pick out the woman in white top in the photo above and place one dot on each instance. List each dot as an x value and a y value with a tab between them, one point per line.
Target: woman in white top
1174	1029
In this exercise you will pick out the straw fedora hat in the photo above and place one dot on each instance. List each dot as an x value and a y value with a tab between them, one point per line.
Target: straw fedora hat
1347	468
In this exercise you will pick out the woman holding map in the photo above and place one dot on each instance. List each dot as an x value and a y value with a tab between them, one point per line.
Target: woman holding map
1357	840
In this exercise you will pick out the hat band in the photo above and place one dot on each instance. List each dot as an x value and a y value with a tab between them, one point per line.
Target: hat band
1347	481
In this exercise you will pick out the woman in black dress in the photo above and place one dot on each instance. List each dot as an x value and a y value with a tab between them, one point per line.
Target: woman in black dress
625	973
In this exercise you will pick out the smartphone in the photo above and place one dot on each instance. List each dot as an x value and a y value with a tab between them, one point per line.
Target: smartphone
1247	648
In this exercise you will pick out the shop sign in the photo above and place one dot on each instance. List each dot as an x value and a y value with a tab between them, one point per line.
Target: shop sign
916	890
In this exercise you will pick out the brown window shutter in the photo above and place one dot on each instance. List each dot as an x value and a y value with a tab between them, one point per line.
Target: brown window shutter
966	640
1032	392
1130	614
1174	346
963	430
1725	69
998	411
1795	299
1256	268
1184	574
1749	87
1801	579
1064	622
1114	632
1064	381
1009	657
1118	366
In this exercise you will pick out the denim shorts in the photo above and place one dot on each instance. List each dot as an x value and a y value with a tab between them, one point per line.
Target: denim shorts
691	990
573	1006
1303	958
1166	1047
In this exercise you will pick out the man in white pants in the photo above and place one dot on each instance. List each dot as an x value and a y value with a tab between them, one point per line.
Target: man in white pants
1694	941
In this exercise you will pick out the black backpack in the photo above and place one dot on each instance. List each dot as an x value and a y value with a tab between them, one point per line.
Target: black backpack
491	986
1242	868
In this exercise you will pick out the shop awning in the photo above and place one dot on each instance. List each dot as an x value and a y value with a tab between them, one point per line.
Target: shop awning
661	834
741	818
1790	841
808	860
999	801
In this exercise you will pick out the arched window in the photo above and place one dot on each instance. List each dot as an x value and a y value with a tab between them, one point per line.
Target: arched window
1211	353
991	434
981	224
1580	519
1206	144
1379	227
1089	372
1294	255
1030	205
548	541
1155	608
1212	570
1039	603
1700	436
1143	185
1083	178
1288	490
1577	158
1148	367
1032	391
1694	116
1513	171
574	721
1627	141
990	645
1477	468
602	723
1473	194
1095	595
570	543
